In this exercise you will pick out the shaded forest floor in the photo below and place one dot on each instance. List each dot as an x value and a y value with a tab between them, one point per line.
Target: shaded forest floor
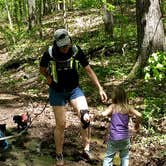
22	91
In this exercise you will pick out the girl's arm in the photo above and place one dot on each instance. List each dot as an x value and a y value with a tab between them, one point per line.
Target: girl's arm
138	118
135	112
108	111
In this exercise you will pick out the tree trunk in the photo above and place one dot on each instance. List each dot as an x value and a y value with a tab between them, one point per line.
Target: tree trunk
60	5
44	7
15	12
9	16
20	13
39	16
10	20
25	10
108	20
70	4
64	15
20	2
31	12
150	33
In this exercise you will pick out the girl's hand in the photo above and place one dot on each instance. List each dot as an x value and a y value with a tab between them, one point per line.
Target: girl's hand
137	127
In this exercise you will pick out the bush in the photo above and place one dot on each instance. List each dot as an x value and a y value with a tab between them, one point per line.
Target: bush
156	67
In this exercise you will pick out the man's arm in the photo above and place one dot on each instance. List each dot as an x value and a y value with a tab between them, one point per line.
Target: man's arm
96	82
44	72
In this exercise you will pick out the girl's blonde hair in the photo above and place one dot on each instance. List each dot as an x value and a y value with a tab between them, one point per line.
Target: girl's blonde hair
119	98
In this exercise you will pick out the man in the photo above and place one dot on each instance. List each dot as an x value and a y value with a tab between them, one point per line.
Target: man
59	64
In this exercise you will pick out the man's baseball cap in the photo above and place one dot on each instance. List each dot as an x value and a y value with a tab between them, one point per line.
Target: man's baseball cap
61	36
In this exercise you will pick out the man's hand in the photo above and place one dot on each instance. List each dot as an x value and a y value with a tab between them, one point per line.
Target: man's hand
43	71
49	80
95	80
103	95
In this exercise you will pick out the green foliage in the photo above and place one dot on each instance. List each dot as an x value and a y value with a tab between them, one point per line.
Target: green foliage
7	34
109	6
85	4
132	95
156	67
154	107
2	5
13	36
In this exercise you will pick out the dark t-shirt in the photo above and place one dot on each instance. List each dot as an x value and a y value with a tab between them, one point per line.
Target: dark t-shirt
67	79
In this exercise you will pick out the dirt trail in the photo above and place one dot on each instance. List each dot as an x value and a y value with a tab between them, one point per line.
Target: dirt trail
36	147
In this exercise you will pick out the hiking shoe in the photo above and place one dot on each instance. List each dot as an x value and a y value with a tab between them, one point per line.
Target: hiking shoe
88	155
59	159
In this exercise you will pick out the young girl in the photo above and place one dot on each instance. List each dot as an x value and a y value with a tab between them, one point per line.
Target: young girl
119	112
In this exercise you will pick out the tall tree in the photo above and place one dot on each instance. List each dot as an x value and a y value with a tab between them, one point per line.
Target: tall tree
70	4
31	12
9	16
65	14
150	33
10	19
39	16
108	18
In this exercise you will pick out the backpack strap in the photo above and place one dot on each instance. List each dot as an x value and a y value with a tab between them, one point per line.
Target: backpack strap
73	61
75	51
52	65
50	51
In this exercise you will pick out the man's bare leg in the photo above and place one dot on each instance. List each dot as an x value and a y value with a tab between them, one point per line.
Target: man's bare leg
59	112
78	104
86	136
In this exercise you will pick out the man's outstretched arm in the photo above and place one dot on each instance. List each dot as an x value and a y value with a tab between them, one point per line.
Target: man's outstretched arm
96	82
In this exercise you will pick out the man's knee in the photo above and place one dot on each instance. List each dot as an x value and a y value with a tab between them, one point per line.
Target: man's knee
60	119
61	126
86	123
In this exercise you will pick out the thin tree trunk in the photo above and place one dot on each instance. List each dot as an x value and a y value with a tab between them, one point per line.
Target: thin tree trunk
39	17
10	20
31	12
15	12
65	15
44	7
70	4
108	20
